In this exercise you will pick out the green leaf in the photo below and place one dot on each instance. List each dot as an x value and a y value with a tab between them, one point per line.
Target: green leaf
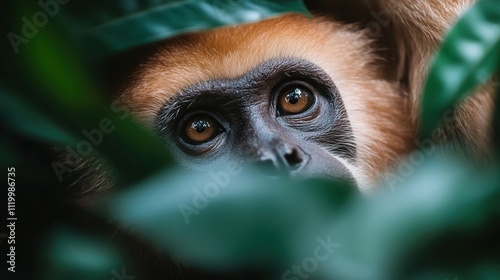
468	58
446	206
114	26
69	254
222	221
496	124
26	120
252	222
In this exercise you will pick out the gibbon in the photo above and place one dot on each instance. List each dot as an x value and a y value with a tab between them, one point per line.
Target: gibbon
320	96
335	95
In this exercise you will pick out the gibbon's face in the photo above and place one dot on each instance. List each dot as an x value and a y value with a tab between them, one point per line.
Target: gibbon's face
295	94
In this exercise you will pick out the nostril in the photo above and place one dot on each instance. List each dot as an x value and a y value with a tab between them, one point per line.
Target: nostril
293	159
282	160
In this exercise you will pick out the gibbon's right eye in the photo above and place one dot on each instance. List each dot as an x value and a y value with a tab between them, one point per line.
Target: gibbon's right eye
200	129
294	100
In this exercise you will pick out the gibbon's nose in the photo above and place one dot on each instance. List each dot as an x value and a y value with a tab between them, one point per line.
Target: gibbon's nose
282	159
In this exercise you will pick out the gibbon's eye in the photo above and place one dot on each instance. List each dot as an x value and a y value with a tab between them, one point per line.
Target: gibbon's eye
200	129
294	100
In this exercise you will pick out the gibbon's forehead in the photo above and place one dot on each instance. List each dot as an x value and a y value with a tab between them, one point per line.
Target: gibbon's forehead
230	52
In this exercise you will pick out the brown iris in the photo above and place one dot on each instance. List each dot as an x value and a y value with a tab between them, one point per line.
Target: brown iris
200	129
294	100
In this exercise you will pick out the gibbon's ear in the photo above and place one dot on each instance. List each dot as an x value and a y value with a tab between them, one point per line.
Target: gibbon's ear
407	35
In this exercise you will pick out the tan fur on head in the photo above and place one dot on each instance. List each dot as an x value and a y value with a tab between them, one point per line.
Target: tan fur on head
376	108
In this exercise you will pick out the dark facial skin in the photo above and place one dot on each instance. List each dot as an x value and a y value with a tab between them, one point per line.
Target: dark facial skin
285	114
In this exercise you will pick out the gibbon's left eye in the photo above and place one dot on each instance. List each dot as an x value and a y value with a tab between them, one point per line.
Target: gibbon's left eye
294	100
199	129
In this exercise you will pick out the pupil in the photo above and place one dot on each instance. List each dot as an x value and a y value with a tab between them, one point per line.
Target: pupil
200	126
294	96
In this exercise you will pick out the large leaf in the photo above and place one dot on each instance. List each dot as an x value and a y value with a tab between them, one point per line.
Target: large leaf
113	26
251	221
26	120
222	220
415	231
468	58
72	255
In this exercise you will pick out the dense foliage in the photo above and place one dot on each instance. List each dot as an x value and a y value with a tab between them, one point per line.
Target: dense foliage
438	219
